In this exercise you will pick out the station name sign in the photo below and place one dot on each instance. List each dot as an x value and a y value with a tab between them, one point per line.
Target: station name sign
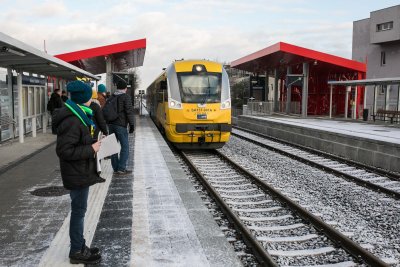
29	80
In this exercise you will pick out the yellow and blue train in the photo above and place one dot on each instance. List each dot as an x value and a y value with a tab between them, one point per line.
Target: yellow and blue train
190	103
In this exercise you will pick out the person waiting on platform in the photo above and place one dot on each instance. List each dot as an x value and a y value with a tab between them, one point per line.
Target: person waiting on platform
64	96
55	101
101	94
76	152
119	127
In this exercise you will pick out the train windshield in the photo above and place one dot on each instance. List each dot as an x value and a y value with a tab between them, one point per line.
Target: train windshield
200	88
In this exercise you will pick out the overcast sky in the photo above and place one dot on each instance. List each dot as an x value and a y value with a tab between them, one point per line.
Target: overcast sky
222	30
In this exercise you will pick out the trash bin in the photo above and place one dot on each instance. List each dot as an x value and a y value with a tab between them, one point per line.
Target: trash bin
365	114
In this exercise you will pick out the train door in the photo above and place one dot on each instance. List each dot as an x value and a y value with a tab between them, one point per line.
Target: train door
162	97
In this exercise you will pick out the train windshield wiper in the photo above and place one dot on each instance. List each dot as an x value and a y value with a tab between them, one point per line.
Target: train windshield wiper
207	95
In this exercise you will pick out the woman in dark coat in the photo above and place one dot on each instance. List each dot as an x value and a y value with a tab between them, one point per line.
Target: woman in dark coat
76	151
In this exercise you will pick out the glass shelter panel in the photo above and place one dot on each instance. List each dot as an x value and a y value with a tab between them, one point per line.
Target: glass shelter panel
6	108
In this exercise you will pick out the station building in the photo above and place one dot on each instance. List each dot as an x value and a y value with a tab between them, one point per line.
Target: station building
296	82
376	42
327	84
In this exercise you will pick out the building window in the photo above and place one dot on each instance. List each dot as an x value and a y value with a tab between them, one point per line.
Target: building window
384	26
383	58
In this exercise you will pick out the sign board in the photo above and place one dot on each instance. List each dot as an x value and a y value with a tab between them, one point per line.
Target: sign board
294	80
29	80
257	82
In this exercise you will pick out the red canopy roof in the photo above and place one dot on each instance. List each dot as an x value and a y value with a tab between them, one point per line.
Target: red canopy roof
125	55
286	54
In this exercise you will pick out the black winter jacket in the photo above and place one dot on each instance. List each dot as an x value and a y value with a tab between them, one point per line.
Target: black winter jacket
74	149
98	119
125	110
55	102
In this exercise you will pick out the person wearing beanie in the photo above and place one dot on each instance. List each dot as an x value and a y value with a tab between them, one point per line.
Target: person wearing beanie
101	94
119	127
76	151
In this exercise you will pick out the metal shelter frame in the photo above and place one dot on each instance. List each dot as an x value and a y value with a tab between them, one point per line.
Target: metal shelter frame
119	57
18	56
366	82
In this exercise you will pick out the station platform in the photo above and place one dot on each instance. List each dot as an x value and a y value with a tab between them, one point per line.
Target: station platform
153	217
12	152
369	143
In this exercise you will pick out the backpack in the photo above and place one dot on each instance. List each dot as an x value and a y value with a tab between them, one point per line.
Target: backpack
110	109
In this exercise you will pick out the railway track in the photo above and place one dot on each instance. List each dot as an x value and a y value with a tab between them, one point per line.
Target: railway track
280	231
375	179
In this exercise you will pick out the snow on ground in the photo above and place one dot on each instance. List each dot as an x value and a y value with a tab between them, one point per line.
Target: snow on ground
355	210
386	133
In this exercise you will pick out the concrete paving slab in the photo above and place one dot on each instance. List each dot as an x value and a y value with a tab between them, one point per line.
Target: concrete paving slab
12	152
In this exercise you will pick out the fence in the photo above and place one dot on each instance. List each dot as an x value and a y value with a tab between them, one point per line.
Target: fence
258	108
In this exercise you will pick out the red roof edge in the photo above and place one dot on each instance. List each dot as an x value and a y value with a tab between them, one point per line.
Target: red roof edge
324	57
103	50
304	52
266	51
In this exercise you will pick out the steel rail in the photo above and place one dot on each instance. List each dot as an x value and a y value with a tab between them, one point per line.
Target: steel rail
341	240
391	175
259	251
375	187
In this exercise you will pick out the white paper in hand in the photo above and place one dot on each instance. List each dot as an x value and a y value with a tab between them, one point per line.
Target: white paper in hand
109	146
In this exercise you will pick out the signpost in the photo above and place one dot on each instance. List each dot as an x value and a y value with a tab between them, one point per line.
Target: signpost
292	79
141	93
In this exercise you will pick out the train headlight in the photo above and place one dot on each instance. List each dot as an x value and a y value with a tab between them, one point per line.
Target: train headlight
174	104
199	68
226	104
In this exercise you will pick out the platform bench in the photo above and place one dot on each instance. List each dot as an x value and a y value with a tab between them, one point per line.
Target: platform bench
382	114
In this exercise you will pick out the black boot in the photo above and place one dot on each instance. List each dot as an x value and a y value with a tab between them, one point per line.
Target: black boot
94	250
85	256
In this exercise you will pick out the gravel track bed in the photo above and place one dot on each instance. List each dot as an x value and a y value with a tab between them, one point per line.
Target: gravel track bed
285	236
328	258
240	248
367	217
356	172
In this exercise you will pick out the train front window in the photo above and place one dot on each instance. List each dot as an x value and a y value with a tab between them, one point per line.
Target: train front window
200	88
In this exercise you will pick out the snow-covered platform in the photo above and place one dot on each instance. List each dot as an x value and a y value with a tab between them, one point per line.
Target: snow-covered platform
171	225
368	143
153	217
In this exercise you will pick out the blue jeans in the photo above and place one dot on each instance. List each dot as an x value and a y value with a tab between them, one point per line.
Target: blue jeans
121	133
79	199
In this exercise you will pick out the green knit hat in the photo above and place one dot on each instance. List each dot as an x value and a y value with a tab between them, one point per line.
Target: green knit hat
101	88
80	92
